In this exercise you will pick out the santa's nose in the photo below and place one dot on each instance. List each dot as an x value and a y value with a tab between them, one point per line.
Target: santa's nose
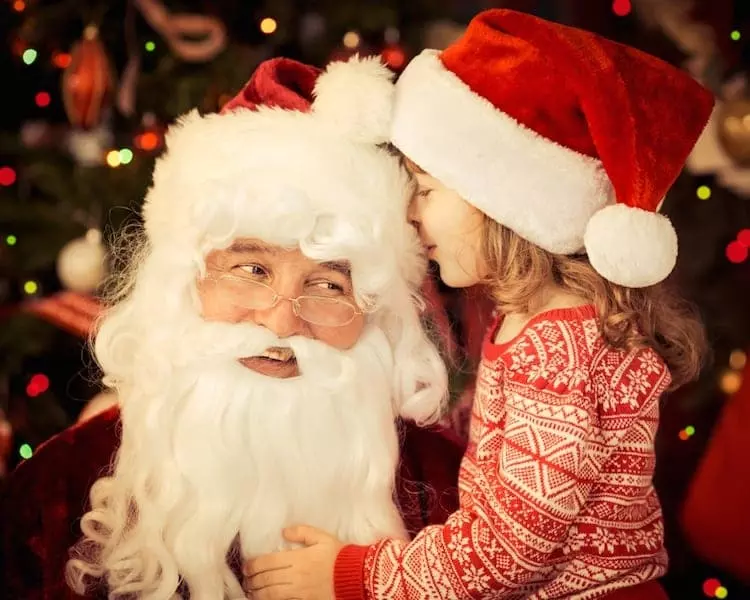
281	319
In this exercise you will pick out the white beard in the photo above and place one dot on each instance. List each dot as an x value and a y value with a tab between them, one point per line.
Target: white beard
212	450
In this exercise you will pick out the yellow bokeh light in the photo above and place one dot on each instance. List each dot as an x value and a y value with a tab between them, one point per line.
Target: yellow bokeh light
268	25
737	360
30	287
113	158
703	192
351	39
730	382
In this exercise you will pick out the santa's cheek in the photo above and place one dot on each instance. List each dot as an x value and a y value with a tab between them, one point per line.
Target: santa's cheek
341	338
214	309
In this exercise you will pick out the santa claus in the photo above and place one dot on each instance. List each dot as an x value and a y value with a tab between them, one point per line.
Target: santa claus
265	346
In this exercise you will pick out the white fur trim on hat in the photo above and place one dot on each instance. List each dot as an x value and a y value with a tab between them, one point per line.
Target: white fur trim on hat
356	97
545	192
631	246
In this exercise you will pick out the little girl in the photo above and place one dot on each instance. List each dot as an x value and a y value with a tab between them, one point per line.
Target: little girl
542	155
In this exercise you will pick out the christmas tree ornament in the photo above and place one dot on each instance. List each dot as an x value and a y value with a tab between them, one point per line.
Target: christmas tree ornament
81	264
89	146
191	37
734	129
88	82
722	141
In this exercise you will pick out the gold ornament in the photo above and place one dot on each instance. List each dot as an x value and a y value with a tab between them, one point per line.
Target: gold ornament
734	129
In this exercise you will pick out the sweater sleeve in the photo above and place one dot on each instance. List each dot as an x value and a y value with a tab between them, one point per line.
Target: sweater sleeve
533	466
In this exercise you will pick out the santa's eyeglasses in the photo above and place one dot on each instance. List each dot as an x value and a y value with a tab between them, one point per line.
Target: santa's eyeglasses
317	310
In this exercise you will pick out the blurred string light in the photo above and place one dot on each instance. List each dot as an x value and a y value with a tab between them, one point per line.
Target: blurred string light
42	99
735	35
150	46
7	176
38	384
687	433
737	250
11	240
29	56
147	140
730	381
19	6
25	451
351	39
30	287
61	60
713	589
737	360
126	155
113	158
703	192
268	25
621	8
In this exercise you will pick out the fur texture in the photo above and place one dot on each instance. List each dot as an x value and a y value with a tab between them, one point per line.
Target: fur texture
356	97
630	246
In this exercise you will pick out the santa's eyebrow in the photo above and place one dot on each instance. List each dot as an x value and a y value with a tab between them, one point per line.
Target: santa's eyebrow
340	266
247	247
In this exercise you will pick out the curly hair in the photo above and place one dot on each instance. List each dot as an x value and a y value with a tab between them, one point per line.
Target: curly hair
655	316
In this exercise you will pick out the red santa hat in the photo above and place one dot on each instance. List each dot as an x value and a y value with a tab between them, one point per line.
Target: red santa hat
569	139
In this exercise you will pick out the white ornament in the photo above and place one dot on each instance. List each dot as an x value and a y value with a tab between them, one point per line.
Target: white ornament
81	264
89	147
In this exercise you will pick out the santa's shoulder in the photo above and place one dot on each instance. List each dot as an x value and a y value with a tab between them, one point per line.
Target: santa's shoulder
74	458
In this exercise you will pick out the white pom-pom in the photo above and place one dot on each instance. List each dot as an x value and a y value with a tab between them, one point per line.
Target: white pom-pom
356	97
631	246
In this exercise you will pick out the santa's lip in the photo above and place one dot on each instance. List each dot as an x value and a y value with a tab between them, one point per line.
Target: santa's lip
284	368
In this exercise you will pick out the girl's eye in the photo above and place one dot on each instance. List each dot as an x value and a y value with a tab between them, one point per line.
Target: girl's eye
423	192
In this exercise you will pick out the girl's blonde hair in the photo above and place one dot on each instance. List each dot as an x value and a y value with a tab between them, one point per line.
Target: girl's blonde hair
654	317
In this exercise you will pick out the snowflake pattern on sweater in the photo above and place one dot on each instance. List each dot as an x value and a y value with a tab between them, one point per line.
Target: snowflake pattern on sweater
556	493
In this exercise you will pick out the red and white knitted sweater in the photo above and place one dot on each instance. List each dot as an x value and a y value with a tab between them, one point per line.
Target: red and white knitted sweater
556	494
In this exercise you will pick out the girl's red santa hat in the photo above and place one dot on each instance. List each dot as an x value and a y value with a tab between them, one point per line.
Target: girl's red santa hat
569	139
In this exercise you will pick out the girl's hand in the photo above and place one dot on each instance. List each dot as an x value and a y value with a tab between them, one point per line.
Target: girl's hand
302	574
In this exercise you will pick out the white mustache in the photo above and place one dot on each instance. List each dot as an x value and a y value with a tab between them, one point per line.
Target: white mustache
202	342
214	339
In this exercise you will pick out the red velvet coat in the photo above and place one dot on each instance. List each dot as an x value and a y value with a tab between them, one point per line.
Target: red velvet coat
47	495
